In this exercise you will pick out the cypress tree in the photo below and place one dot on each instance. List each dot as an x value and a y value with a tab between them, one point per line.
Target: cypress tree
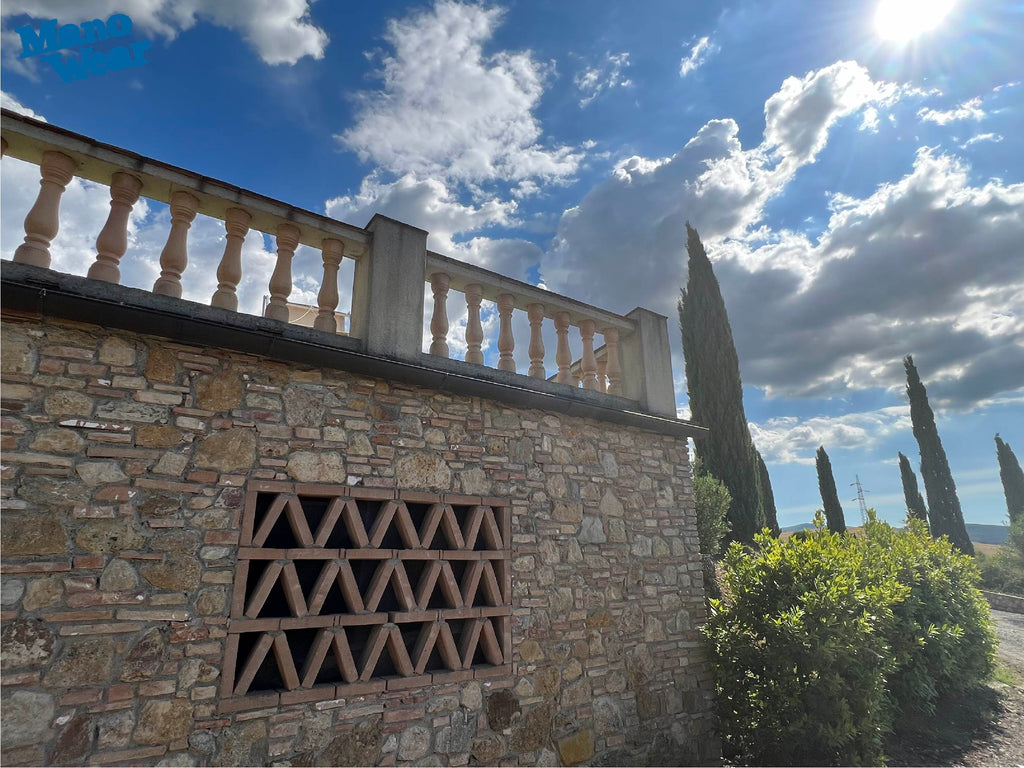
1013	480
943	504
829	496
716	392
771	516
915	501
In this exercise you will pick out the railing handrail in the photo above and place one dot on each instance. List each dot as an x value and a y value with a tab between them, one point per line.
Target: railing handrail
27	140
524	294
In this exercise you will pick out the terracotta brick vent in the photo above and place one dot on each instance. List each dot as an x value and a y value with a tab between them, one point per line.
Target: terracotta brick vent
346	591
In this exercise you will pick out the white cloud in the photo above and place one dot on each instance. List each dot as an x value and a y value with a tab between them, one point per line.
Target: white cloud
593	81
447	110
7	101
791	440
281	31
995	138
969	110
698	55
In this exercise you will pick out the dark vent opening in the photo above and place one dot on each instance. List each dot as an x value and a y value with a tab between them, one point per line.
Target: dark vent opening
368	510
314	508
281	535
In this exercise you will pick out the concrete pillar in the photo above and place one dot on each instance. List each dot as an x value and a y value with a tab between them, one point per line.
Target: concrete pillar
387	291
647	364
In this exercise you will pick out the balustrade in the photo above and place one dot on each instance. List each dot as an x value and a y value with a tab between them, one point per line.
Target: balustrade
389	258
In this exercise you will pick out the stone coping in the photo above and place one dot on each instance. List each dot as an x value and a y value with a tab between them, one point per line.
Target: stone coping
35	290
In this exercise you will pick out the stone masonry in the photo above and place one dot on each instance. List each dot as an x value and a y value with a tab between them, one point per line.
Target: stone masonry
126	460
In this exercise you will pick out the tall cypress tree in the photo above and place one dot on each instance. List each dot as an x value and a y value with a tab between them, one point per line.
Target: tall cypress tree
943	503
716	393
771	516
915	501
1013	480
829	496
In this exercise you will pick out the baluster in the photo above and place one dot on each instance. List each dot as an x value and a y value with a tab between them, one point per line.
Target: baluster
439	283
588	363
174	256
536	314
611	344
602	370
332	251
229	272
506	343
43	221
281	280
112	241
562	354
474	331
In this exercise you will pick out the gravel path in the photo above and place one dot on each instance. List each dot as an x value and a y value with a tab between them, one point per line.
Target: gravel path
994	739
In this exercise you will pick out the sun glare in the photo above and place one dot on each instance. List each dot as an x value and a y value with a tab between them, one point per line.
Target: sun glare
902	20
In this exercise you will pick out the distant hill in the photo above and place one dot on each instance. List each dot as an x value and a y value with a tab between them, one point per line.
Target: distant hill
987	534
978	533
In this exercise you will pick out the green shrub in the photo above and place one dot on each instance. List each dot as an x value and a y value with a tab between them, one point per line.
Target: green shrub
800	652
1004	571
826	640
941	638
712	501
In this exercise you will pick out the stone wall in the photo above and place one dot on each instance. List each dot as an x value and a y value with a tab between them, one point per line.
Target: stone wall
1003	602
125	464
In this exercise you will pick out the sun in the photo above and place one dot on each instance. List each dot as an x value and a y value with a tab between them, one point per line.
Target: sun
903	20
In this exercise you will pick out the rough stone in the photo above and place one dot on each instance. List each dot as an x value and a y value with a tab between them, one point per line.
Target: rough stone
577	748
562	600
116	351
314	732
567	512
196	671
616	530
177	760
172	464
176	541
159	505
360	746
26	643
73	743
611	506
44	592
119	576
475	481
157	436
572	670
316	467
303	407
51	493
101	537
129	410
17	354
501	707
487	750
472	696
533	730
211	601
145	658
115	730
414	743
576	694
591	531
87	662
608	718
219	392
228	450
177	572
242	744
162	721
423	471
100	473
57	441
161	365
548	681
26	718
455	739
23	535
546	757
11	591
202	742
68	403
442	704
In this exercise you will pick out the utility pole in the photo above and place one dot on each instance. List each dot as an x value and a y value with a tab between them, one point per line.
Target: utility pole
860	500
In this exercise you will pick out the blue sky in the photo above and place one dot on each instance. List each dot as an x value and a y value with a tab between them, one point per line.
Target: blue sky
856	170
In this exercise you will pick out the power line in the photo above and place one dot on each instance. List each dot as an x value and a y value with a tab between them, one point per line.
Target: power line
860	499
